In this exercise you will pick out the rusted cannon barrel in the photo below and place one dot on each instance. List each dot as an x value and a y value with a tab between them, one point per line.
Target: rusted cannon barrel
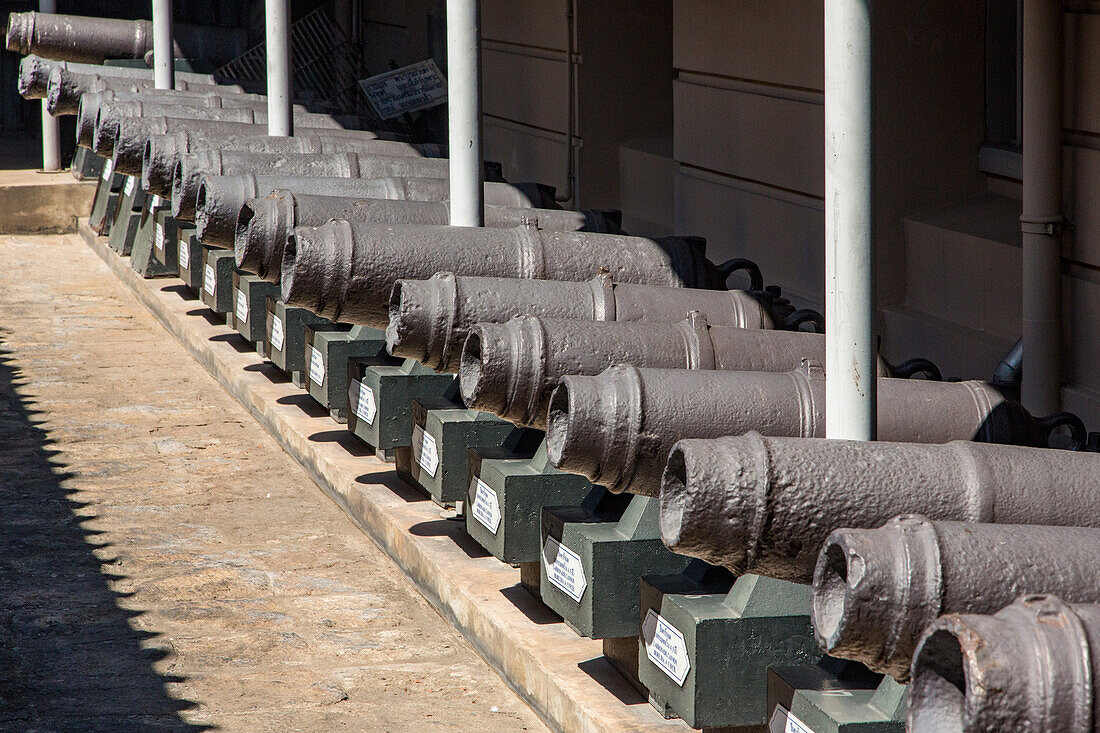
765	505
65	90
510	369
189	172
107	120
94	40
162	152
876	590
1033	666
34	74
156	171
430	319
345	271
618	428
259	230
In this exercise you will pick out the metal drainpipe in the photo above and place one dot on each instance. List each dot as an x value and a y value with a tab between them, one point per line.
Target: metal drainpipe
1042	219
464	112
51	137
850	354
571	132
280	122
164	57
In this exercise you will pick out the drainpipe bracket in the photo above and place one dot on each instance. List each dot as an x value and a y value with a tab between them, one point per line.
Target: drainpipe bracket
1050	227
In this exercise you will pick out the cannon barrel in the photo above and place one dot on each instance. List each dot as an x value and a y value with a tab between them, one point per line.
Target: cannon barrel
134	134
94	40
189	171
430	319
1033	666
259	230
106	129
345	271
162	152
618	428
510	369
764	505
65	90
34	74
876	590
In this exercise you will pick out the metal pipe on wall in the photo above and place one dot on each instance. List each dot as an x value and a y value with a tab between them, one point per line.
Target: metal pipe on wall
280	120
1042	219
464	112
164	61
850	357
51	135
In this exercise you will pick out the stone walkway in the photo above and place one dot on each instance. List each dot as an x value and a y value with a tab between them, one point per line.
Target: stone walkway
165	566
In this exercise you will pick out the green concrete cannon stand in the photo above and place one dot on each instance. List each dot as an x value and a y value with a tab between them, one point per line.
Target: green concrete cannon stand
592	565
285	336
506	492
149	241
189	254
106	198
443	432
834	696
217	279
380	400
250	295
166	237
86	165
326	355
705	650
127	216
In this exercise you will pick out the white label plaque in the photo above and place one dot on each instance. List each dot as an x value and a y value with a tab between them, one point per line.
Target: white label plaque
316	366
208	279
564	569
365	407
242	307
424	450
277	335
665	647
486	506
408	89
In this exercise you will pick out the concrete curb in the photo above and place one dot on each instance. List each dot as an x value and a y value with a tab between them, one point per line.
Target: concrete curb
563	677
42	203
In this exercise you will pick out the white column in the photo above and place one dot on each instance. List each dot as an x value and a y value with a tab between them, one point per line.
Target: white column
164	57
850	354
464	112
280	121
51	137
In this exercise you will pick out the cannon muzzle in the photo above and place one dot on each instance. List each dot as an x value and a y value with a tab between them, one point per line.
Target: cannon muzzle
876	590
1032	666
764	505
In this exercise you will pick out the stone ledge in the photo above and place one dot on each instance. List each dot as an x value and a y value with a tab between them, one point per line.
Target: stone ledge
42	203
563	677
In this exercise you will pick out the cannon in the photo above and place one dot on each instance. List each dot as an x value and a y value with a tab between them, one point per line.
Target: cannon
65	90
1033	666
345	271
94	40
764	505
260	229
189	171
619	427
34	74
510	369
106	128
876	590
162	152
220	195
134	134
430	319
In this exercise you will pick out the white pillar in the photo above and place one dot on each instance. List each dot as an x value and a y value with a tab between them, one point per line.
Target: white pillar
164	57
280	121
464	112
850	354
51	136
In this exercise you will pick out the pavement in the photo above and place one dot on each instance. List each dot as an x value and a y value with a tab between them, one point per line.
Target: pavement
165	565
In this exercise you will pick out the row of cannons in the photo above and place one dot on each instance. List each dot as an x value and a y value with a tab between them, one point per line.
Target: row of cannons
644	444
